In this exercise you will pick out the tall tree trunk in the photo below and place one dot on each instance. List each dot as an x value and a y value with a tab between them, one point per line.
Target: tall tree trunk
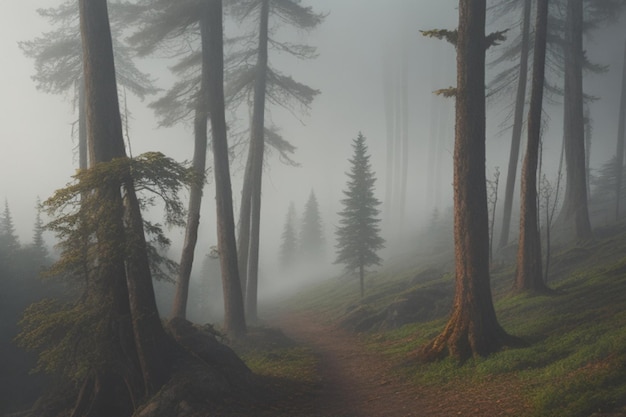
619	153
389	118
243	243
362	279
212	41
83	162
518	122
575	213
529	275
405	132
201	118
473	329
257	147
105	144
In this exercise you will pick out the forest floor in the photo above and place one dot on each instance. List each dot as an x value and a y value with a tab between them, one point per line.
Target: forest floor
355	381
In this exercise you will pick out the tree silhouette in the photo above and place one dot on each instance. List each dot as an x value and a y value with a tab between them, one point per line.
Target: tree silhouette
311	231
358	236
289	237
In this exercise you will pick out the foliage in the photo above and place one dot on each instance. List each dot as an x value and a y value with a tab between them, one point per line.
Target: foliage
358	236
58	329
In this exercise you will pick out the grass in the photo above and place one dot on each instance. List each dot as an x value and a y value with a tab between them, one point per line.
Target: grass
575	361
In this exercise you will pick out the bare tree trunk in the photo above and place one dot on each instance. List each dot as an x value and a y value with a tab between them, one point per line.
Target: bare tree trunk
212	41
389	123
83	160
473	329
575	213
529	275
405	132
619	153
201	118
362	280
257	147
518	122
244	224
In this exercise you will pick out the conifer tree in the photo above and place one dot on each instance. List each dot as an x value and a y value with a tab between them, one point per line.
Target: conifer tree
311	232
40	252
358	236
289	238
9	243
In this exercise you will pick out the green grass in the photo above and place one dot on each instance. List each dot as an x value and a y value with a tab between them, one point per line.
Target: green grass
575	361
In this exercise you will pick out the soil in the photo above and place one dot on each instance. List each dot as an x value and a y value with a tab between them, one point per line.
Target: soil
357	382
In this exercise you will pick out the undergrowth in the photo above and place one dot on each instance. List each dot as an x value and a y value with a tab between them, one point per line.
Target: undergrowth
575	360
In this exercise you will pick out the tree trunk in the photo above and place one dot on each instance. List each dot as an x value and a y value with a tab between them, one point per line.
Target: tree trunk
574	213
518	122
619	154
405	133
473	329
131	283
362	280
389	118
244	223
212	41
83	161
257	146
529	275
195	200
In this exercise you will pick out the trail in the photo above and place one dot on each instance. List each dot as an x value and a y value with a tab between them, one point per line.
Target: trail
357	382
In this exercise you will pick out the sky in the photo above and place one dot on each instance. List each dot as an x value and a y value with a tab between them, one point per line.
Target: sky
38	153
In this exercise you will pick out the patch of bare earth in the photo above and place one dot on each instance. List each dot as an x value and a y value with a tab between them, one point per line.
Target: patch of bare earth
356	382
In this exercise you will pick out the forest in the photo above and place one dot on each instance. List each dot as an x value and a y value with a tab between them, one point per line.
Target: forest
313	208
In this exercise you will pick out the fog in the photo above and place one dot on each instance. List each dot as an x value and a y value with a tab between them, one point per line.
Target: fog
39	156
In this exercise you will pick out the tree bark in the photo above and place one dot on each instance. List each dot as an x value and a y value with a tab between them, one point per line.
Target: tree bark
473	329
195	200
574	213
257	147
529	276
518	121
619	154
212	41
131	293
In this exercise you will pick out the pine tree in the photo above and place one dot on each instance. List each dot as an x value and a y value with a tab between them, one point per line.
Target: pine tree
39	250
311	232
9	243
358	236
289	238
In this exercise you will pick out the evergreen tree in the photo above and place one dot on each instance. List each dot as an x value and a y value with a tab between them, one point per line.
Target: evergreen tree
9	243
289	238
358	236
38	247
311	232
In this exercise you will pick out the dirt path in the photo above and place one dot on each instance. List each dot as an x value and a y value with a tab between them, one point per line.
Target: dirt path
357	382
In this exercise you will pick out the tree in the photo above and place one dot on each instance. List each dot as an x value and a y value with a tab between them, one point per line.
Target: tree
212	42
311	232
39	250
8	238
520	102
130	282
265	85
621	129
473	329
358	236
162	24
289	237
58	62
528	275
575	212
